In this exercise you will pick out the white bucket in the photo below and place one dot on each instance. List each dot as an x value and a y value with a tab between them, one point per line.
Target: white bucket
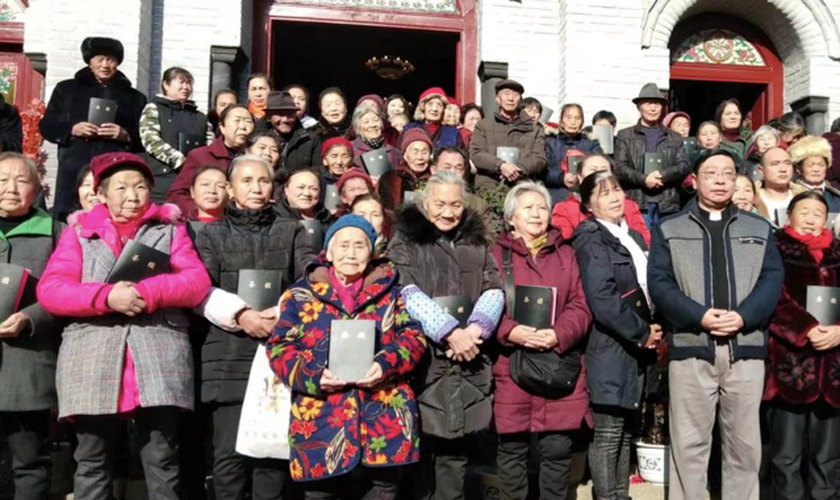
653	462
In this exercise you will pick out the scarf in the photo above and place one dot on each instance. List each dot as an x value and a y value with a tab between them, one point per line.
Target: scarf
639	257
374	143
257	111
127	230
348	294
816	244
535	245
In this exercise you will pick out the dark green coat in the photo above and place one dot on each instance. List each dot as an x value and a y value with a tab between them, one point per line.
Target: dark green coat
27	363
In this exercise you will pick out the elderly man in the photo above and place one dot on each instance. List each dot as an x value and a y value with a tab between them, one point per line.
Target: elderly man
656	190
66	121
29	336
442	251
715	275
301	149
507	146
301	96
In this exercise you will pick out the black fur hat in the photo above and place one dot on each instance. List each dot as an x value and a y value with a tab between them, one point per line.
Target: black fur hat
96	46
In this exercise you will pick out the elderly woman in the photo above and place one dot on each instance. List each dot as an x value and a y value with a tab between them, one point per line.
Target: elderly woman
791	127
441	251
333	106
29	337
803	388
613	268
251	236
369	124
373	420
66	124
236	126
429	117
536	255
124	339
811	157
762	140
336	158
559	143
166	120
412	172
371	208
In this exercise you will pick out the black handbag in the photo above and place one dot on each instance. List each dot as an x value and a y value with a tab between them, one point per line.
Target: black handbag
545	374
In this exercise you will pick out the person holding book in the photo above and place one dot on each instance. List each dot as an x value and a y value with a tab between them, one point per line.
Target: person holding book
613	269
715	276
561	139
776	188
803	385
369	124
412	172
507	146
352	184
170	127
428	117
68	120
300	145
650	160
811	158
533	257
350	390
236	126
336	160
679	122
567	214
29	335
126	350
250	243
300	201
442	253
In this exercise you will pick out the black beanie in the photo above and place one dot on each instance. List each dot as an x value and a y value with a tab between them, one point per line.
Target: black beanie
101	46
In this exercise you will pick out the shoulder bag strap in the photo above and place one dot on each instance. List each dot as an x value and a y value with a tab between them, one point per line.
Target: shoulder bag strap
510	292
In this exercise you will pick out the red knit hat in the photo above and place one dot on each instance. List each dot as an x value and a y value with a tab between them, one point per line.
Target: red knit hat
354	173
413	135
335	141
452	101
432	92
375	98
101	166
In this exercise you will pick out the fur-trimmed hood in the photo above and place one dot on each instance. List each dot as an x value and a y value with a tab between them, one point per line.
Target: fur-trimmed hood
416	228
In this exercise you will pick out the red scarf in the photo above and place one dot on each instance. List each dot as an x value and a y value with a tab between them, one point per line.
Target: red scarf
127	229
816	244
348	294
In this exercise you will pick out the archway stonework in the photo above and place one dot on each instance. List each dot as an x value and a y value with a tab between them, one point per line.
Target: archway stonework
805	33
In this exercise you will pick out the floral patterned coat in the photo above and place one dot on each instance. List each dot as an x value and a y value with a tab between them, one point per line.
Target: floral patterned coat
797	372
329	433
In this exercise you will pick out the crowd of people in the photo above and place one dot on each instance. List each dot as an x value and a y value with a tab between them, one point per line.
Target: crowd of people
710	245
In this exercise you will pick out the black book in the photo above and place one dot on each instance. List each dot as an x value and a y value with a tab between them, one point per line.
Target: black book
138	262
352	346
315	230
637	302
754	173
331	198
545	115
781	217
508	155
573	163
534	306
102	111
824	304
654	162
690	144
458	306
605	135
260	288
194	227
410	196
188	142
16	289
376	162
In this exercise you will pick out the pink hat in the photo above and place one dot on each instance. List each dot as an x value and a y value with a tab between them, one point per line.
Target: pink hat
675	114
375	98
412	135
432	92
354	173
101	166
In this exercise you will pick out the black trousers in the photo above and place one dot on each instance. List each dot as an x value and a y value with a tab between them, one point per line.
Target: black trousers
442	469
804	437
555	464
26	434
232	471
609	453
384	481
157	440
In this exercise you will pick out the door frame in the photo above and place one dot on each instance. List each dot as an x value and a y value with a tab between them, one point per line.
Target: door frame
770	103
463	23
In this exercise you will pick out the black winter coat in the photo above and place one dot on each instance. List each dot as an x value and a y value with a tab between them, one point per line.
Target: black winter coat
11	129
284	211
68	106
615	360
455	398
302	150
244	239
556	147
630	149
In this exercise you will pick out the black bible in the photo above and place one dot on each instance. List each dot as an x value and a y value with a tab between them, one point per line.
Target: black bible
573	163
352	346
508	155
824	304
188	142
654	162
458	306
102	111
637	302
376	162
17	289
260	288
315	230
534	306
138	262
331	198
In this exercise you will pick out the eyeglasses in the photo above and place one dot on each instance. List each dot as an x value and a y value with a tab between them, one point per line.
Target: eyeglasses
727	175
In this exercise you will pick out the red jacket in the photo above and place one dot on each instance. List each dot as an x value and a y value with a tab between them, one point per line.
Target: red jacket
798	373
555	266
566	216
214	155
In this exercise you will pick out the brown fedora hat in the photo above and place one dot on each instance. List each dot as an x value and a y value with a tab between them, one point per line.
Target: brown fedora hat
650	92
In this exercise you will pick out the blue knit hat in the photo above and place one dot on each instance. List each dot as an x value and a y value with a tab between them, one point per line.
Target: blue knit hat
351	220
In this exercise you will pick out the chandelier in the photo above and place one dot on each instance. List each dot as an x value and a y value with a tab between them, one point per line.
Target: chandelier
389	68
